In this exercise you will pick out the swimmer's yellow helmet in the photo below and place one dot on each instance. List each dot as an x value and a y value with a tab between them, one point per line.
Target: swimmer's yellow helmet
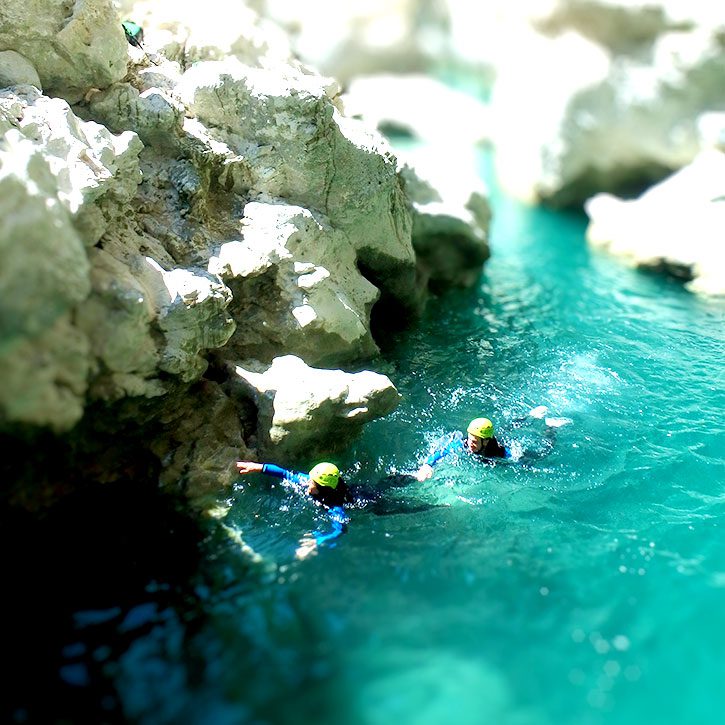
481	428
326	474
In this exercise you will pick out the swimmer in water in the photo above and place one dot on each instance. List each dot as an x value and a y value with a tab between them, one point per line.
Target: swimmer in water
481	441
323	484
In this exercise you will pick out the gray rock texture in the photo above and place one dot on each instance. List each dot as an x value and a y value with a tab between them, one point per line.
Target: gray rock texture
297	287
17	70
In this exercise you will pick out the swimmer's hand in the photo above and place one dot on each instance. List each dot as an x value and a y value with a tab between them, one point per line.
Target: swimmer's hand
308	545
424	472
245	467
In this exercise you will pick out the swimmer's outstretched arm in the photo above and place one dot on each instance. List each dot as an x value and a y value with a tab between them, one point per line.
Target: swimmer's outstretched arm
270	469
453	443
245	467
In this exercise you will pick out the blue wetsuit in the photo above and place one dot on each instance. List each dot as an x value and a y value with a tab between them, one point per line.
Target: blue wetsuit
331	498
456	444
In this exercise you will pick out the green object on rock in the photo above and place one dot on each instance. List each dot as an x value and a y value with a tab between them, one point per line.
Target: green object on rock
134	33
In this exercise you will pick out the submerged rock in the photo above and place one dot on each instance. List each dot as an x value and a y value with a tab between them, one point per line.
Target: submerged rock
304	411
677	226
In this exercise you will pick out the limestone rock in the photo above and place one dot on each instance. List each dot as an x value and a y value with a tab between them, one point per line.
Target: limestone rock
43	275
304	411
45	375
201	442
74	46
142	319
296	288
311	156
451	215
16	70
90	166
677	226
587	117
153	113
419	106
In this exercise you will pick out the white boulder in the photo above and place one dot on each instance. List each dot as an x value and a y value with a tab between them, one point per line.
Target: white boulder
304	411
677	226
582	116
451	214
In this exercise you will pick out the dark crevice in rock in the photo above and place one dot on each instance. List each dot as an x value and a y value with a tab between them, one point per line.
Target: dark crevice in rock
389	314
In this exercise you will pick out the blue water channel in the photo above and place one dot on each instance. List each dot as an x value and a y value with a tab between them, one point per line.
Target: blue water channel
587	586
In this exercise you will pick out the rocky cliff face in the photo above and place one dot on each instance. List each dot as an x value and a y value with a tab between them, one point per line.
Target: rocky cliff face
171	217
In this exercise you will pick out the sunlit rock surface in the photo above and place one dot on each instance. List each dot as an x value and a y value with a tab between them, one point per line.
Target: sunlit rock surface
419	106
188	31
57	176
451	214
296	287
311	156
677	226
612	98
304	411
74	46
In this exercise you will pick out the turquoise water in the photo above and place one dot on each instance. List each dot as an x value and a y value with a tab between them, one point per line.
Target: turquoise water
584	587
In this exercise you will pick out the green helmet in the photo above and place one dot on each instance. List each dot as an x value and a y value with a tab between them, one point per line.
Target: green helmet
326	474
481	428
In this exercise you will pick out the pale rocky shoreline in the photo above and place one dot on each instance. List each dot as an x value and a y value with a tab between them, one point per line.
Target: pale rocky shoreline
171	223
196	235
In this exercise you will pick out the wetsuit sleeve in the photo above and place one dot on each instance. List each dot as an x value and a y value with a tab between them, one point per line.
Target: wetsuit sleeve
450	445
269	469
338	526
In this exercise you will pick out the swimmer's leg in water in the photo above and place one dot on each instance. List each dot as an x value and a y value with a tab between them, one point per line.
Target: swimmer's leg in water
374	499
548	438
390	508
